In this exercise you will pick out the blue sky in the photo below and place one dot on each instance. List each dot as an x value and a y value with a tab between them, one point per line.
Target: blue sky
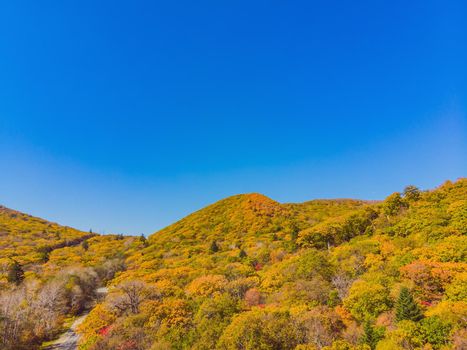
125	116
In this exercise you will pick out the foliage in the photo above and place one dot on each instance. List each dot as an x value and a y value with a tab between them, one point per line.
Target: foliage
367	300
406	307
250	273
15	273
260	329
372	335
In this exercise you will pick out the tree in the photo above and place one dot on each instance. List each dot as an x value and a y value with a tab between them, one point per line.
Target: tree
435	331
213	316
321	325
367	300
342	282
44	253
15	273
144	240
261	330
406	307
214	247
393	204
242	254
411	193
130	295
371	335
207	285
252	297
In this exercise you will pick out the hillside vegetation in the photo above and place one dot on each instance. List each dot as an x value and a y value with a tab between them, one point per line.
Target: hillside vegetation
250	273
49	274
28	239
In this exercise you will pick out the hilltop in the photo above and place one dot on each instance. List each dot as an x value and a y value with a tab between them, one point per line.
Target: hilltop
250	273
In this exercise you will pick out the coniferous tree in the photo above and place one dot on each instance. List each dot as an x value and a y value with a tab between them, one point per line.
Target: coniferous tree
371	335
214	247
144	240
406	307
242	254
15	273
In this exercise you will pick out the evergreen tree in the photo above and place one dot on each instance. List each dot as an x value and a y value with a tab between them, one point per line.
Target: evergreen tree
214	247
242	254
144	240
406	307
15	273
371	335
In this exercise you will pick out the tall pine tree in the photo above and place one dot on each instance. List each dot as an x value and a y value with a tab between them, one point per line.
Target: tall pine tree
406	307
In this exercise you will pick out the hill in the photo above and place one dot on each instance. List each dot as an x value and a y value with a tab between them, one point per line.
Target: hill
250	273
49	273
29	239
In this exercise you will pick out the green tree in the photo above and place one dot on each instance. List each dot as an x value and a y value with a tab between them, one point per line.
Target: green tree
371	334
406	307
214	248
435	331
15	273
242	254
411	193
261	330
393	204
144	240
367	300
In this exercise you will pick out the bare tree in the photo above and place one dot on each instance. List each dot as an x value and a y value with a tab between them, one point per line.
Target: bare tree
128	296
342	283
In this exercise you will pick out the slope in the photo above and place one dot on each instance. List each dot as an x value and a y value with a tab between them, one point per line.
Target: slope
28	239
250	273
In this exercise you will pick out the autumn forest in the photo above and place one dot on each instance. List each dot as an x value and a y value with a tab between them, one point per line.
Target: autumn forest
247	273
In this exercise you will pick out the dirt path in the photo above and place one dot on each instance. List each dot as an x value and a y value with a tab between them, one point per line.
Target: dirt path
69	339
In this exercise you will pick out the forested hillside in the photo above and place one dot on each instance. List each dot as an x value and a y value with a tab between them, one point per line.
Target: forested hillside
250	273
49	274
29	239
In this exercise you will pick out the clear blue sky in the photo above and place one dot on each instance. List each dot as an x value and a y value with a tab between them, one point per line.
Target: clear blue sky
124	116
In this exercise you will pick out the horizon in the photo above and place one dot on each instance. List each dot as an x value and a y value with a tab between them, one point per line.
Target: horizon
219	200
125	118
